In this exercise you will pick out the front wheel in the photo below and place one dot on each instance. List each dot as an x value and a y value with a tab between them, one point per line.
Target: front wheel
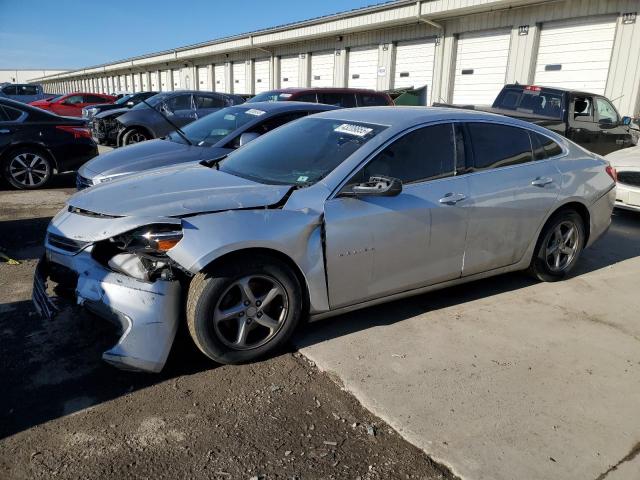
27	168
559	246
134	136
245	310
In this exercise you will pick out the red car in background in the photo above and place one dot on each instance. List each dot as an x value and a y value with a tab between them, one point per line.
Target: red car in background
71	105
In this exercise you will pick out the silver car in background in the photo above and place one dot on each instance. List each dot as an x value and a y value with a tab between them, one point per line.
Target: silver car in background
329	213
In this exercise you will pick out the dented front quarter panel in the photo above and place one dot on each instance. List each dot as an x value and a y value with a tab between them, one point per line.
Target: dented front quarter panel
294	233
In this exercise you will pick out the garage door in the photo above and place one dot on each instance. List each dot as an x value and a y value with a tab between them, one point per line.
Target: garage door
123	83
177	85
220	79
481	67
363	67
239	77
261	69
145	83
164	81
322	67
203	78
289	71
576	54
155	87
136	82
414	65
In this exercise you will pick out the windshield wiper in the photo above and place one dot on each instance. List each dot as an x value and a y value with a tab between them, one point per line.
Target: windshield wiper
214	162
178	129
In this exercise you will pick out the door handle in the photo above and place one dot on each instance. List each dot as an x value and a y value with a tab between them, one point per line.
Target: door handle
542	181
452	198
5	130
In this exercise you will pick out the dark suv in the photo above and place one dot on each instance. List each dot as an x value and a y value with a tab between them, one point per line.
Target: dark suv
340	97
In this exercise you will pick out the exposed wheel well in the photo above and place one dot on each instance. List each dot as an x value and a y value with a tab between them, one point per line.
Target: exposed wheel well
38	148
583	211
238	256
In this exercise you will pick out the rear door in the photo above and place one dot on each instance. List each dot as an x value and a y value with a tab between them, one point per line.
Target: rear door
511	192
376	246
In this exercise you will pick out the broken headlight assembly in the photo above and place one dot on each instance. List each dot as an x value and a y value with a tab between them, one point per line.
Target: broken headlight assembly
141	253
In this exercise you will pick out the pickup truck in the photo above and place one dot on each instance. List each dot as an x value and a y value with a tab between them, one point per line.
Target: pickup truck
24	92
588	119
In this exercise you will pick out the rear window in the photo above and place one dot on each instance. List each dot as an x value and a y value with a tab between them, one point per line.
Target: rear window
537	102
496	146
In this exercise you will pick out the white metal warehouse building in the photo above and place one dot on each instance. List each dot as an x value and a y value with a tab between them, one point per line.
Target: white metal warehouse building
463	50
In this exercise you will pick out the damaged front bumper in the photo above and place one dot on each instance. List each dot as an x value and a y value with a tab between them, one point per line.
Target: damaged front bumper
147	312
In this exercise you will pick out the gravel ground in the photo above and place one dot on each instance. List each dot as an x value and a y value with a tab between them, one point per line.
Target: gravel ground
65	414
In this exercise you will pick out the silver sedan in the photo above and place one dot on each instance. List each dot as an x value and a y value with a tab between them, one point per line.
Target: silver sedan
327	214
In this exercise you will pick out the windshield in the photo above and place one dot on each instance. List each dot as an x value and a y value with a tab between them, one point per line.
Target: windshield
299	153
53	99
273	96
214	127
536	101
123	100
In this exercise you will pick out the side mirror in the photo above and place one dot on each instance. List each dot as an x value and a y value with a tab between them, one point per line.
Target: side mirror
378	187
626	121
247	137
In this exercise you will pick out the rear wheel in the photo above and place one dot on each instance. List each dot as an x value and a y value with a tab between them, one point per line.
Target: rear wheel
245	310
134	136
559	246
27	168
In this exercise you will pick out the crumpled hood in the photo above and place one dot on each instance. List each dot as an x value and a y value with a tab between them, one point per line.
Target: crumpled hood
627	157
111	112
176	191
143	156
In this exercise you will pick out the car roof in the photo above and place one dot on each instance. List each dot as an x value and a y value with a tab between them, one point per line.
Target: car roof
556	89
405	116
287	106
325	89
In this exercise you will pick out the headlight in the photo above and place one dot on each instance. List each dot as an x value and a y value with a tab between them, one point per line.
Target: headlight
151	239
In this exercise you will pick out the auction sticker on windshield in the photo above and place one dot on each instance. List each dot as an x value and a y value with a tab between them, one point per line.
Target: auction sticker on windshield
351	129
255	111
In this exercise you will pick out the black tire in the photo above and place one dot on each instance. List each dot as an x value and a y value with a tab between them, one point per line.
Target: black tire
545	255
207	292
135	135
27	168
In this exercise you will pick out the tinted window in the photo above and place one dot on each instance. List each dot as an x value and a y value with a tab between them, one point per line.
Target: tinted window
606	112
94	99
371	100
179	102
10	90
537	101
424	154
346	100
8	114
544	147
208	102
498	145
73	99
309	97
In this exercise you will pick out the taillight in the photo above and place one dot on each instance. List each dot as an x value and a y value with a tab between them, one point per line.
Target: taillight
78	132
532	88
612	173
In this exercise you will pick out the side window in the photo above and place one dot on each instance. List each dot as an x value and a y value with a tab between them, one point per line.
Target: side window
73	100
27	90
606	112
309	97
424	154
583	109
371	100
93	99
208	102
497	146
345	100
179	102
9	114
544	147
10	90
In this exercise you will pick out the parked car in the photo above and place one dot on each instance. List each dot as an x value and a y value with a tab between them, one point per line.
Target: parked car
142	123
627	164
330	213
71	105
217	134
35	144
340	97
123	104
589	120
24	92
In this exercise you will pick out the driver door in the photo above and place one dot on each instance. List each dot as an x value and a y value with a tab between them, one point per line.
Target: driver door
381	245
68	106
613	134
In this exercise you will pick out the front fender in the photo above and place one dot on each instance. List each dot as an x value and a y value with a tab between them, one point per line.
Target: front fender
294	233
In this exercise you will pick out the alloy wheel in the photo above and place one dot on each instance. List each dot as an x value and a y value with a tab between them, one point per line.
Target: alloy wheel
29	170
561	246
250	312
136	137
